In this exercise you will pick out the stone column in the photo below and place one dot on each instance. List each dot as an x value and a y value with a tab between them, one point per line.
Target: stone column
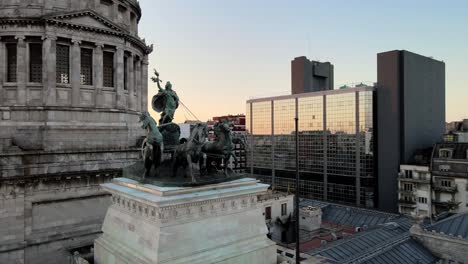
138	85
76	72
49	75
131	82
98	74
2	70
144	84
119	77
21	70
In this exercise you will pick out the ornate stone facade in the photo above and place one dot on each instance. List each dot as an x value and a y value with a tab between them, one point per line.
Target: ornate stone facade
218	223
73	82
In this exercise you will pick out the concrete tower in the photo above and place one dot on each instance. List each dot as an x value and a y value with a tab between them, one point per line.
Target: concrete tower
410	114
310	76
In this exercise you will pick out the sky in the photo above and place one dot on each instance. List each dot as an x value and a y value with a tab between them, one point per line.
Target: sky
218	54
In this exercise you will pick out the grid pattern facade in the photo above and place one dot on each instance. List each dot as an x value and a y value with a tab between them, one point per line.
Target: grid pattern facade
261	136
108	69
35	62
366	137
283	129
341	134
311	136
335	136
86	66
11	62
63	64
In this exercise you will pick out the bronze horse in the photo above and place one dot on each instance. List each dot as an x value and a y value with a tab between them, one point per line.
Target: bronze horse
152	146
220	150
190	152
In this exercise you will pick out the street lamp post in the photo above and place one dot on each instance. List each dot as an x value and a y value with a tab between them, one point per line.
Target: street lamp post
296	195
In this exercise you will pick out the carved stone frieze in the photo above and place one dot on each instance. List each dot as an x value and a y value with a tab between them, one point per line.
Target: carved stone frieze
186	211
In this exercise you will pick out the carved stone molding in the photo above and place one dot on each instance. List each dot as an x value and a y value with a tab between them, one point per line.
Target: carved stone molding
187	211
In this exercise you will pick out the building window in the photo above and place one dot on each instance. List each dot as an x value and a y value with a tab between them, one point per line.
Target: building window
444	167
422	200
446	183
132	21
86	67
108	71
63	64
125	72
106	2
35	62
122	13
11	62
408	187
284	209
408	174
268	213
445	153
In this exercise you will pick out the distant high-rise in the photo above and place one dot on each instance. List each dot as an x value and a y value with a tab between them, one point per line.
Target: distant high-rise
411	114
310	76
352	141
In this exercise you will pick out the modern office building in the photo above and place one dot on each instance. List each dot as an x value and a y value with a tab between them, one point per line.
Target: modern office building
336	156
410	103
310	76
352	140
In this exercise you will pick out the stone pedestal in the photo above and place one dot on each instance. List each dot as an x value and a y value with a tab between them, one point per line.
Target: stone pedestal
219	223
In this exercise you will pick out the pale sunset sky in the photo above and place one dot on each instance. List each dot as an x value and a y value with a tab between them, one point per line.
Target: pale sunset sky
218	54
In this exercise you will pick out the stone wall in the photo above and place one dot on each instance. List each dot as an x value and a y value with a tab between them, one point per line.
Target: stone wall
446	247
59	137
47	216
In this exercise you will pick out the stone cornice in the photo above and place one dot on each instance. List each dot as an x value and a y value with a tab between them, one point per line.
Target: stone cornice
57	20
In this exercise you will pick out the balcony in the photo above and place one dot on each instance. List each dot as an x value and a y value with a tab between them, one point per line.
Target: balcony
439	188
407	192
450	204
415	179
407	203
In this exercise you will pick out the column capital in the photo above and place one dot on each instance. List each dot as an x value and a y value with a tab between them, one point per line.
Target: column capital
20	37
99	45
49	37
76	41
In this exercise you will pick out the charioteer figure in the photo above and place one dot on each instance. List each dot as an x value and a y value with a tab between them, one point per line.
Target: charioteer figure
166	101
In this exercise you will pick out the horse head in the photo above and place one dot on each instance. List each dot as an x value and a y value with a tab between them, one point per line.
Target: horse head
144	118
199	132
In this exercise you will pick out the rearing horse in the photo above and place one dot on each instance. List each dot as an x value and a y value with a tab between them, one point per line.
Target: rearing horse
190	152
152	147
223	146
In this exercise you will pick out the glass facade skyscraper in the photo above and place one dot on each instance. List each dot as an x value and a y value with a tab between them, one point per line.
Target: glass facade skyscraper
336	157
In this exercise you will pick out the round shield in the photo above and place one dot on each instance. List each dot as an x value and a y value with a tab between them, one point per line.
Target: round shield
159	102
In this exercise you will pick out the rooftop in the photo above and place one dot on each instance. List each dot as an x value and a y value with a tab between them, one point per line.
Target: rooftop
311	94
459	150
456	226
384	237
350	216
